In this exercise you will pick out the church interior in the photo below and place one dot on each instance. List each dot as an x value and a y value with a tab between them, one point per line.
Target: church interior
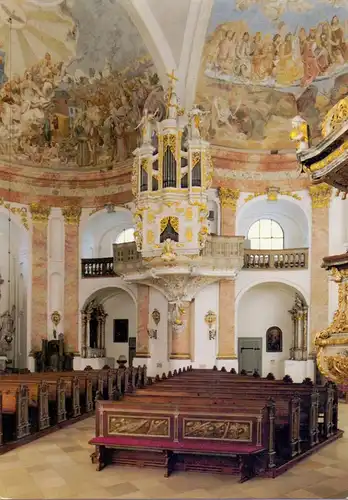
173	249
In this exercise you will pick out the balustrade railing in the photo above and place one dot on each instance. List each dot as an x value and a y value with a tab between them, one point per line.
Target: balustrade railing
97	268
293	258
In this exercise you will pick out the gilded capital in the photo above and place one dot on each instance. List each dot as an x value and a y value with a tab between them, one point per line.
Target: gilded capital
72	214
321	195
229	197
39	213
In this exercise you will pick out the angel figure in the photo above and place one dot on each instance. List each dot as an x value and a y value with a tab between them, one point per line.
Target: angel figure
168	254
299	133
146	125
195	122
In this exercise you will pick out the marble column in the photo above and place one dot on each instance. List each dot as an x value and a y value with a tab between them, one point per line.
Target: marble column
142	347
321	196
72	274
39	217
226	336
181	339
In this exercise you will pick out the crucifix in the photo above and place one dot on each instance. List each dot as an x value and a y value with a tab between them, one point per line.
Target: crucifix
171	94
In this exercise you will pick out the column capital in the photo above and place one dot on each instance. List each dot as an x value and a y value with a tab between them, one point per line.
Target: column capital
229	198
39	212
320	195
72	214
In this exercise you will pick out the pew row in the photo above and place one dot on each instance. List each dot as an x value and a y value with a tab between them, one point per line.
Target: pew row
175	437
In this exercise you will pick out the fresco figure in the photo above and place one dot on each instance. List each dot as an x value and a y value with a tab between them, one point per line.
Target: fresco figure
288	70
227	52
243	57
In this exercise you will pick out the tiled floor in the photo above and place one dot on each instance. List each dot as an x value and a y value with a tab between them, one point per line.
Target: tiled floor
58	466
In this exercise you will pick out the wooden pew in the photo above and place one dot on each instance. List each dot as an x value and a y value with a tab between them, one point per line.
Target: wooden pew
177	437
14	413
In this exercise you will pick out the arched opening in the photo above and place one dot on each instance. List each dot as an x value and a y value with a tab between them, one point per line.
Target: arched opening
266	234
285	213
102	230
280	332
14	270
108	321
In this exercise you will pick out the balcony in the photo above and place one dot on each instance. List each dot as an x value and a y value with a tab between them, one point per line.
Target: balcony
97	268
292	258
217	251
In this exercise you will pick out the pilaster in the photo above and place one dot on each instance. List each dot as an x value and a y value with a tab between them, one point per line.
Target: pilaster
71	216
226	336
181	344
39	217
319	306
142	346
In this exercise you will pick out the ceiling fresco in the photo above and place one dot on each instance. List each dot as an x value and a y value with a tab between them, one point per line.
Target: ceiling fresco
75	77
265	62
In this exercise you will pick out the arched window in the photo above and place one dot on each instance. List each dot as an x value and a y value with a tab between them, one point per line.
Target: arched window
125	236
266	234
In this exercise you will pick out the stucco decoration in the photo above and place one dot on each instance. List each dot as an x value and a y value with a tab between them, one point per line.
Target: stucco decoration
265	63
75	77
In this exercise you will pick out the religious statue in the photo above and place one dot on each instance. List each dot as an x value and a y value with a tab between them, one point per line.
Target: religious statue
178	317
168	254
299	133
146	126
195	122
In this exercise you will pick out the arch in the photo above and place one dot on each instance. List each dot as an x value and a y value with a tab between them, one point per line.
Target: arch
101	226
270	279
271	301
286	211
98	339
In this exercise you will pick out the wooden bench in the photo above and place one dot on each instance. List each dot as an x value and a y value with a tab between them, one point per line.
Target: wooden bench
14	413
177	437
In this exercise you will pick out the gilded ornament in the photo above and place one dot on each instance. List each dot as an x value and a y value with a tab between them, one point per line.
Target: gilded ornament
330	158
224	430
156	316
39	213
189	213
55	318
150	217
335	118
229	197
72	214
22	212
210	318
138	426
321	195
150	238
188	234
272	194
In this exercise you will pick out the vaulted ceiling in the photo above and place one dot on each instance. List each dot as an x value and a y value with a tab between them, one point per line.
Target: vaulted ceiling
252	65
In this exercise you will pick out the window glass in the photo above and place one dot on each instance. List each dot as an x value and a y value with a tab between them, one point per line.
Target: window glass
266	234
126	236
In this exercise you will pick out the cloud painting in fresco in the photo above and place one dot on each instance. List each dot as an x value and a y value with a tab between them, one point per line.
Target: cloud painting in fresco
265	62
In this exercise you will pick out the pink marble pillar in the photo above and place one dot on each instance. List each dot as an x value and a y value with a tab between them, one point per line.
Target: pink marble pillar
39	217
226	338
71	277
319	306
142	346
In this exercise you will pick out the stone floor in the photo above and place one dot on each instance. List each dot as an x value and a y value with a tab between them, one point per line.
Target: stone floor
58	466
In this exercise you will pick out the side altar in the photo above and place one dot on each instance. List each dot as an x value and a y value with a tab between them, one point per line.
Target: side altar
173	251
327	165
